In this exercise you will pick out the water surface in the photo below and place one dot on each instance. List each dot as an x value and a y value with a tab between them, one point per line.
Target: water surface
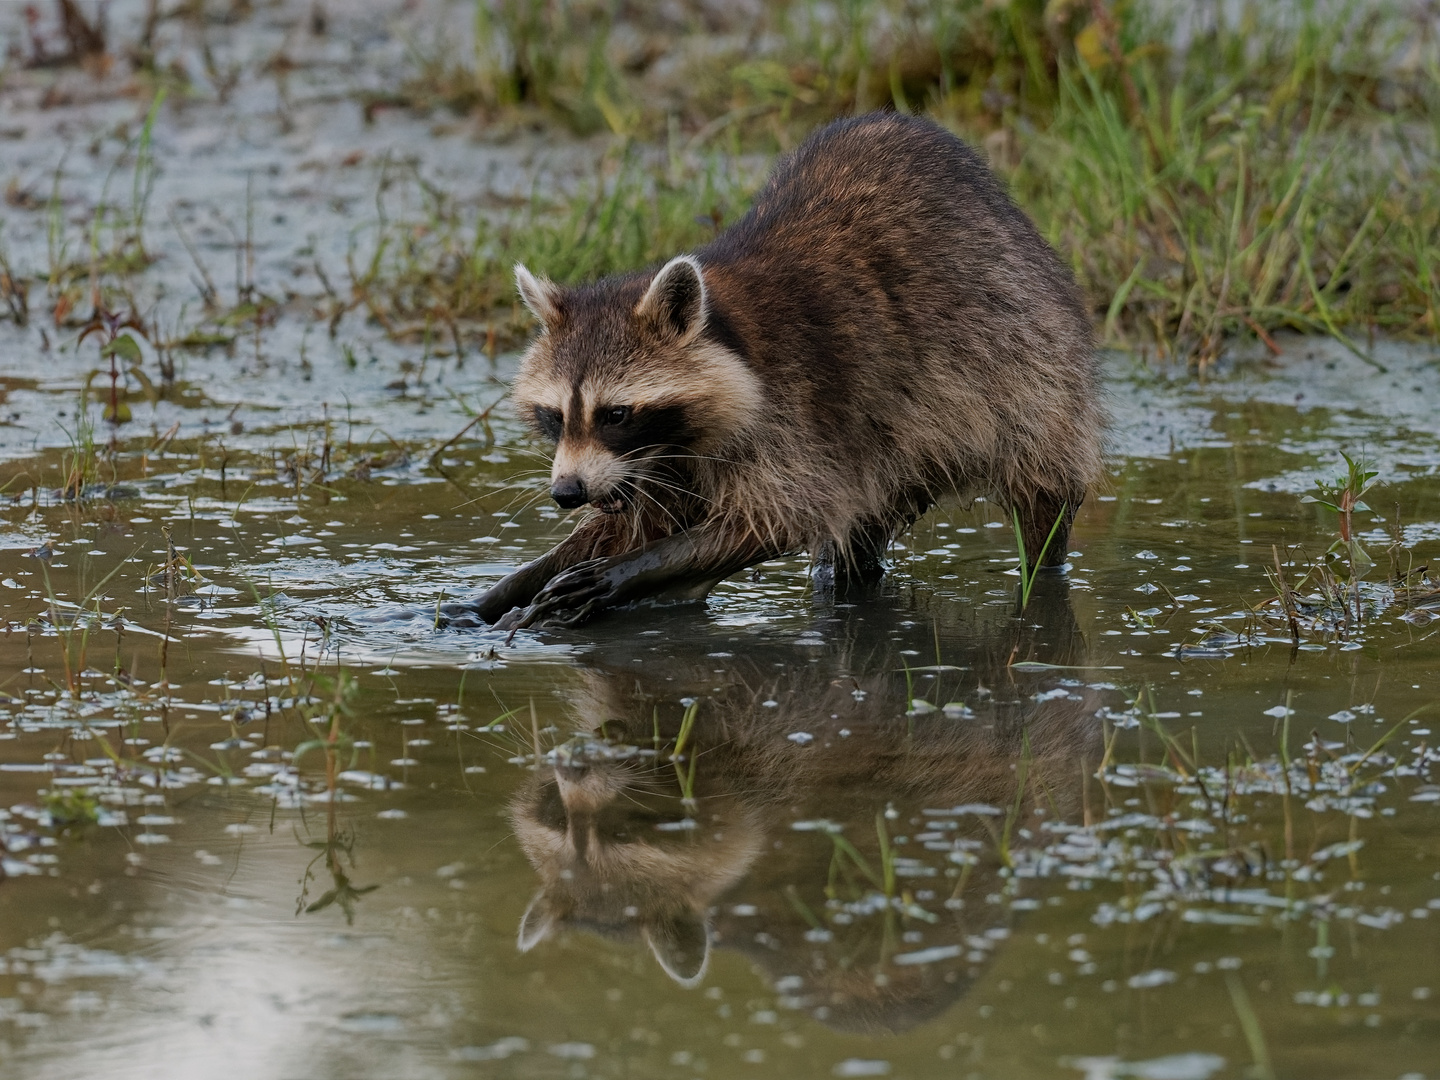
914	834
259	811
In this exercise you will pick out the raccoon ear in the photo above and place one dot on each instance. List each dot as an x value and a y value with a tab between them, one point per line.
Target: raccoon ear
681	943
675	301
538	923
541	295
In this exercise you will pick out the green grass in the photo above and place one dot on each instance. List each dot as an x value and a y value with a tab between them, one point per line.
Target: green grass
444	265
1228	209
1276	174
1208	184
799	61
1029	573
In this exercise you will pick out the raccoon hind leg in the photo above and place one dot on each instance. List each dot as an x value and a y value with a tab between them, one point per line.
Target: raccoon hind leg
1042	512
862	562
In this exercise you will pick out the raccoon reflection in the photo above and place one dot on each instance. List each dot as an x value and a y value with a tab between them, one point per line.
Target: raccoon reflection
702	852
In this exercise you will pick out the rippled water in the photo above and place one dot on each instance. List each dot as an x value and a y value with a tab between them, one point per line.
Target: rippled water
914	835
260	817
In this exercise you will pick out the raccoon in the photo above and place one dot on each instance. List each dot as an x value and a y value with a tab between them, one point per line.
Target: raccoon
636	847
882	329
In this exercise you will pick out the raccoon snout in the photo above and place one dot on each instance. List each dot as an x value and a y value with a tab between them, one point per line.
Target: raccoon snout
569	492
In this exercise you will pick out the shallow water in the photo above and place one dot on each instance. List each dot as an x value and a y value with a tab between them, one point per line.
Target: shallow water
260	814
857	883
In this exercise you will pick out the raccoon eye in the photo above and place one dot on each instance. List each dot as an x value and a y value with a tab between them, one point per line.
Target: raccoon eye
615	415
550	422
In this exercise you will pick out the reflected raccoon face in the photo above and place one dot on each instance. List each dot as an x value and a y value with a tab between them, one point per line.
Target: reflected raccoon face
618	853
627	380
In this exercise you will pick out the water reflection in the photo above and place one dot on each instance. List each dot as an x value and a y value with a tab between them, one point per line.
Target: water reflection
841	810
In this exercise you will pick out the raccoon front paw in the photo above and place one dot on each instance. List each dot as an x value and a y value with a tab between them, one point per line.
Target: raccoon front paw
457	615
572	597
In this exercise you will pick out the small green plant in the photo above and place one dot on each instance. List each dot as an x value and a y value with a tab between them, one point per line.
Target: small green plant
1012	813
117	345
338	693
142	182
70	808
14	291
80	465
342	893
1345	495
1029	573
1250	1026
73	628
844	860
686	777
887	856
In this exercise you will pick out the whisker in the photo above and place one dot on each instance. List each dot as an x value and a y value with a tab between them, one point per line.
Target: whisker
679	525
677	489
686	456
535	495
522	481
521	449
521	488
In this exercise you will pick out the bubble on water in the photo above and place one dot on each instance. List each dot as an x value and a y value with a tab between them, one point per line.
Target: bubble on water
573	1051
496	1051
861	1067
1187	1066
1149	979
928	956
371	1023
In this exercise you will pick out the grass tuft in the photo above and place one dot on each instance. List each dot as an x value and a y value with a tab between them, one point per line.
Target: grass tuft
1209	177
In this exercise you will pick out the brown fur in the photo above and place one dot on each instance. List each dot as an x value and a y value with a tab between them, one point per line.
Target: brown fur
883	329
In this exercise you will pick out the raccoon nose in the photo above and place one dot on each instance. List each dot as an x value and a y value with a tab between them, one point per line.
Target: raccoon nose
569	492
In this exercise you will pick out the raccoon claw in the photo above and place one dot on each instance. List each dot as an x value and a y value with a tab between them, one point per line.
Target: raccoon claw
579	617
570	598
509	621
458	615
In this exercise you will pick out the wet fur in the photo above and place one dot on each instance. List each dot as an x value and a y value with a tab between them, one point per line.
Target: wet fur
884	328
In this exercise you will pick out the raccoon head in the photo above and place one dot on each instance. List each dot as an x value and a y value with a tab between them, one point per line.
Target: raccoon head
629	379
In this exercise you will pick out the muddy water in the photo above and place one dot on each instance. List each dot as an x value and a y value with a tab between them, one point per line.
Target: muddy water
262	817
911	834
